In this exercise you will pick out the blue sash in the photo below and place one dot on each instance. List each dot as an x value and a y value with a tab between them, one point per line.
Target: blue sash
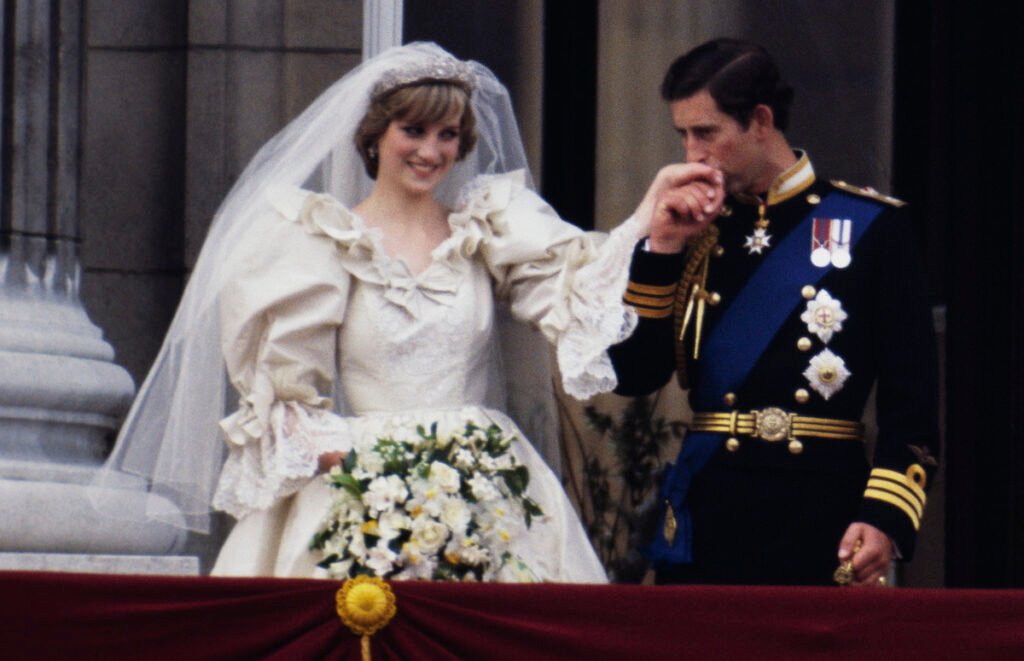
734	346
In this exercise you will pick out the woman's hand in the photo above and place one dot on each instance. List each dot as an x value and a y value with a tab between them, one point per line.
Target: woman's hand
329	460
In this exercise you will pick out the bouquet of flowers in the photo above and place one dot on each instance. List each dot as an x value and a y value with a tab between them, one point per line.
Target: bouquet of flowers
427	507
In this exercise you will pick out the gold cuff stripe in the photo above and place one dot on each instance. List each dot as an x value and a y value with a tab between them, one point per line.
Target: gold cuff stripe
899	478
896	502
649	301
648	313
899	491
899	488
654	290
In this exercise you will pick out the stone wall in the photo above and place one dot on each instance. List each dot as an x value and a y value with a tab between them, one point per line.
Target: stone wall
178	96
838	60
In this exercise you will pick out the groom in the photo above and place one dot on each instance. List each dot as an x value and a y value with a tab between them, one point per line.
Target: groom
780	310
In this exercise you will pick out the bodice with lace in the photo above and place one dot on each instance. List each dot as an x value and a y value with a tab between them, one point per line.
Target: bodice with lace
320	300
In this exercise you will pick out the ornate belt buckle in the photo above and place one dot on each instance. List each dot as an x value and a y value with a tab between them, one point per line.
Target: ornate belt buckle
772	424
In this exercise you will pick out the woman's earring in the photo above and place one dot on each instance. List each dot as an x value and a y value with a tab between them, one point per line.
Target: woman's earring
372	152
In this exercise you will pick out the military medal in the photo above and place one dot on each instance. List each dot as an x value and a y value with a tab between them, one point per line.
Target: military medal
824	316
826	374
841	244
830	242
820	256
760	239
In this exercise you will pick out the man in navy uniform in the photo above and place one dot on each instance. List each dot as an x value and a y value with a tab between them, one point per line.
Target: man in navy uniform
779	309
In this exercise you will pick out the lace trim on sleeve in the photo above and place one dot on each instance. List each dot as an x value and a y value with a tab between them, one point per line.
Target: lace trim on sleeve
599	317
592	316
274	460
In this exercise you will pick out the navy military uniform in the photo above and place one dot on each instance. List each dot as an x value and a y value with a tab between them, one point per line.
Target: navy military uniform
783	470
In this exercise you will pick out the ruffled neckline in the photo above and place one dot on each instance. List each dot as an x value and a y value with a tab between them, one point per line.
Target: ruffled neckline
360	247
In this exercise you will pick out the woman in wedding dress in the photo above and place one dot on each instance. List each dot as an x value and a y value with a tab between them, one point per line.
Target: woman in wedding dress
369	308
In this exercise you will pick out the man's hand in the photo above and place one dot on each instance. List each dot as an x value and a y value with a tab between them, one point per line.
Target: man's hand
682	199
872	561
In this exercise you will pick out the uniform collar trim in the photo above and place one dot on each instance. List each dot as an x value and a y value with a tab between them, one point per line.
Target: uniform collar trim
794	180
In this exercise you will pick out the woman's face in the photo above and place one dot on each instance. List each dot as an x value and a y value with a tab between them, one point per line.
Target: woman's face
417	157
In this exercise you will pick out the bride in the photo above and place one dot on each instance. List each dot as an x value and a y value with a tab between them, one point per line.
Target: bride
370	308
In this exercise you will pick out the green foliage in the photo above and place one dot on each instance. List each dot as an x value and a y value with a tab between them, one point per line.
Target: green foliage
637	439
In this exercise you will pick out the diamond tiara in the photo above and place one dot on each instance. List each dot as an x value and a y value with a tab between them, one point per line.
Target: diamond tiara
433	69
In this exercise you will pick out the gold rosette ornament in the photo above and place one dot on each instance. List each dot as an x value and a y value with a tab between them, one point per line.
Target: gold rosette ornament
365	605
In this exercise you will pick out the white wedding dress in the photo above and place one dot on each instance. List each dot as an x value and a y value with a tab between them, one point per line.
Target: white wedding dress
317	299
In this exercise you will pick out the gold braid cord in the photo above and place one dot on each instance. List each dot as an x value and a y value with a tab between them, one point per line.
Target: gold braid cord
691	291
365	605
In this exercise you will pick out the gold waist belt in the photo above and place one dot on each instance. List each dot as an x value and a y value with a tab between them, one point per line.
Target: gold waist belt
773	424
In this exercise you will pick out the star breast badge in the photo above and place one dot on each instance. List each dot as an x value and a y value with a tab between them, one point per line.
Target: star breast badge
827	373
824	316
758	241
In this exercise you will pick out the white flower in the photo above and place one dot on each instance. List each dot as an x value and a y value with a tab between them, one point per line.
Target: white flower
384	492
357	546
468	550
361	474
464	458
371	462
496	513
483	489
447	434
427	497
498	539
824	316
445	477
425	504
827	373
419	564
455	514
429	535
381	559
391	524
343	503
356	513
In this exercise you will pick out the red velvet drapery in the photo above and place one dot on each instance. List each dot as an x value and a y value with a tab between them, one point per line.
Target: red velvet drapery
80	616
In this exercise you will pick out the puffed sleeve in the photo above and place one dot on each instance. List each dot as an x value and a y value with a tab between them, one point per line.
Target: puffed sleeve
279	318
568	283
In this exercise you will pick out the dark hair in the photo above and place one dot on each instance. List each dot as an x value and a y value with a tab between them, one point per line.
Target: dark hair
738	75
419	103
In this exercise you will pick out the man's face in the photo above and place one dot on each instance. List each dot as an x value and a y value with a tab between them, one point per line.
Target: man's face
715	139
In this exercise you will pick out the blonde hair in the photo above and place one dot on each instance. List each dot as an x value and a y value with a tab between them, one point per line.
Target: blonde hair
418	103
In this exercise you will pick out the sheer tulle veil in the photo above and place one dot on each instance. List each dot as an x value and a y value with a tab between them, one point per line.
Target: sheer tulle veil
171	435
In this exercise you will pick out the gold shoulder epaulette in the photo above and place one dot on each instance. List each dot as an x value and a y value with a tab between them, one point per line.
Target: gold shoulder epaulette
869	193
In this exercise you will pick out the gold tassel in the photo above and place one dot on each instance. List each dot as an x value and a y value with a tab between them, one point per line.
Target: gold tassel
670	524
701	303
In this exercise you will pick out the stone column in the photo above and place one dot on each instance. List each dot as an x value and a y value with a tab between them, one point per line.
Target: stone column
61	395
